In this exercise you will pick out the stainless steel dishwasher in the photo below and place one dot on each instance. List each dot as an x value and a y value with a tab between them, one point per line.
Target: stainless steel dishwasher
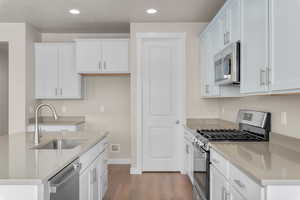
65	184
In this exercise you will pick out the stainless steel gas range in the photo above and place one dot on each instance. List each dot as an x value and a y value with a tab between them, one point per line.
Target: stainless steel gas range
254	126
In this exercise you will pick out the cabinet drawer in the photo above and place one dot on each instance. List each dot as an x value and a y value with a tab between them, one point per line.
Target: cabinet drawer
244	184
87	158
219	162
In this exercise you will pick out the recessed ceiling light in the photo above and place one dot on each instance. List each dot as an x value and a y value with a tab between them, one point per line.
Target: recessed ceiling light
151	11
74	11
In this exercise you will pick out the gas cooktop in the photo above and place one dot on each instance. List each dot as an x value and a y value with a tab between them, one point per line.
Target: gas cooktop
228	134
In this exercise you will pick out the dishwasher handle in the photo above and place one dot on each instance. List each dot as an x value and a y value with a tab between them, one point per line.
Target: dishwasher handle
63	176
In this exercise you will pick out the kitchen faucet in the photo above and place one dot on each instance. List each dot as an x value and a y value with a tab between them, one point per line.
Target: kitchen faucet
37	130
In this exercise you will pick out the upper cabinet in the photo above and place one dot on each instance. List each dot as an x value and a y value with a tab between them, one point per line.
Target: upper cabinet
103	56
222	31
269	37
254	47
284	31
55	72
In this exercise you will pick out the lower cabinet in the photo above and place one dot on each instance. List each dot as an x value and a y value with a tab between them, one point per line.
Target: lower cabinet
220	187
188	156
93	179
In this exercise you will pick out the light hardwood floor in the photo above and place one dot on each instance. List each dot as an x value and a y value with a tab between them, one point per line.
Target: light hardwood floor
148	186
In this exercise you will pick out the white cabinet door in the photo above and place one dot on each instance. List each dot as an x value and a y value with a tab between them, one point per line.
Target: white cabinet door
214	90
56	76
46	70
86	182
234	195
254	46
69	80
88	56
285	45
219	186
115	56
234	20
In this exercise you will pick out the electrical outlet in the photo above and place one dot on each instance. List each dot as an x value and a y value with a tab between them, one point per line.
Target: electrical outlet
63	109
284	118
223	110
115	147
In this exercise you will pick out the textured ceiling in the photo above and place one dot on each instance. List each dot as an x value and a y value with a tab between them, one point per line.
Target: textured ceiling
104	15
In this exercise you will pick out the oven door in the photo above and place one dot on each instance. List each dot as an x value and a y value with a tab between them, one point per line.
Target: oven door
201	172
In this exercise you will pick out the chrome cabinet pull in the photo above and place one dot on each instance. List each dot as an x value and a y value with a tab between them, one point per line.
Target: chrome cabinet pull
239	183
56	92
262	79
215	161
223	193
207	89
61	91
100	65
187	149
104	65
269	75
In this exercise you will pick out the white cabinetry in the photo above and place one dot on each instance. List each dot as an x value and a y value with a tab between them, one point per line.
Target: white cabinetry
93	176
219	185
209	88
229	183
105	56
285	33
223	30
188	155
254	46
55	72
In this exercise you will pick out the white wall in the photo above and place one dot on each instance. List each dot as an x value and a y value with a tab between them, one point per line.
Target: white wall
20	58
195	106
3	88
112	92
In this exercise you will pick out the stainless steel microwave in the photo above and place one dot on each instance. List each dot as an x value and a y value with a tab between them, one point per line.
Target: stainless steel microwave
227	65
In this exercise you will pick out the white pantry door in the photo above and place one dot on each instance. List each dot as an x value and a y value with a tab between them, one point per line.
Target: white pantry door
161	79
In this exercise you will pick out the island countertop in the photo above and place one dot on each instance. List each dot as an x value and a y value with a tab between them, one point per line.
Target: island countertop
20	164
276	162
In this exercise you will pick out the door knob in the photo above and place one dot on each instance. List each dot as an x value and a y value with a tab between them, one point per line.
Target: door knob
177	122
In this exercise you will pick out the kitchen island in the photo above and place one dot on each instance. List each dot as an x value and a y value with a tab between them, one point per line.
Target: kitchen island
24	171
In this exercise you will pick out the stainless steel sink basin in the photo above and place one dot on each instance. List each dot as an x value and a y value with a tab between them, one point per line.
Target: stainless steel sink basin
60	144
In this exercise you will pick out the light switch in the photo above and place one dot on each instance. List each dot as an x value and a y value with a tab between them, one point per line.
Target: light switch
102	109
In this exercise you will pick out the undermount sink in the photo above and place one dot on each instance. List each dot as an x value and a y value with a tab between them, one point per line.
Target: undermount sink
60	144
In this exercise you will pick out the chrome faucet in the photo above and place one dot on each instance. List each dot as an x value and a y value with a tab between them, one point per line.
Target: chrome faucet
37	129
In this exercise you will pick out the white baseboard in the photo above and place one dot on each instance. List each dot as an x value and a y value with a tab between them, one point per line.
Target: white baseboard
126	161
135	171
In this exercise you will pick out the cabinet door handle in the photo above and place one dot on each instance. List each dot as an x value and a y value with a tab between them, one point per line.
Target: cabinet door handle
215	161
56	91
269	75
239	183
100	65
104	65
61	91
262	77
223	193
187	149
207	89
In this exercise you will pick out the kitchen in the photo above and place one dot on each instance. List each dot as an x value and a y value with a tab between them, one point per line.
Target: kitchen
133	92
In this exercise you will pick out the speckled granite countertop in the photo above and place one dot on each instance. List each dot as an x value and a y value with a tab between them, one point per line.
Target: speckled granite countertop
19	164
268	163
